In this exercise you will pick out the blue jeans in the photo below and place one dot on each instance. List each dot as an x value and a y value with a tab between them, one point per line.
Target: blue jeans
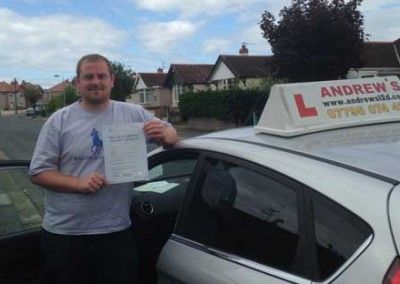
100	259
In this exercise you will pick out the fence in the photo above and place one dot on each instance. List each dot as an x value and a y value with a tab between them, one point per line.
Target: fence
172	114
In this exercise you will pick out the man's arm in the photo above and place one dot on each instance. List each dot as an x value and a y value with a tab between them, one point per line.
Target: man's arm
164	134
54	180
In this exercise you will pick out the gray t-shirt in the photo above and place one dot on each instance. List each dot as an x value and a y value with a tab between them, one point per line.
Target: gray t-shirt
71	142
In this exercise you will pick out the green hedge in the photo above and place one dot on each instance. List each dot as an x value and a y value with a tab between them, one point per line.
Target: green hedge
234	105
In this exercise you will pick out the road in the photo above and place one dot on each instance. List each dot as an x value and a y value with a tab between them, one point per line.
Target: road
18	135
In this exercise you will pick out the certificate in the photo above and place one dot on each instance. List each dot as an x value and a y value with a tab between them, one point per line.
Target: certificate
125	153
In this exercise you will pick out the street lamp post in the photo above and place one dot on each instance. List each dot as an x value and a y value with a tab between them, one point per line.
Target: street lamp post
14	84
56	75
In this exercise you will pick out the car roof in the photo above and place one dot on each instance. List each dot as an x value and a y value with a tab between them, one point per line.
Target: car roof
373	148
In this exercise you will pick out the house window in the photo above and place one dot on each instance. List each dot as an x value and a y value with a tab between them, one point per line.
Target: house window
231	83
147	96
178	90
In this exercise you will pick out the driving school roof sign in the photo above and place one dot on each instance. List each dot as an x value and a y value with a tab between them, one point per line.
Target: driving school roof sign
294	109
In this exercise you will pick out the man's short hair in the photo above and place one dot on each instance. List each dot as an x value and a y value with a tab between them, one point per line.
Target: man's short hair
92	58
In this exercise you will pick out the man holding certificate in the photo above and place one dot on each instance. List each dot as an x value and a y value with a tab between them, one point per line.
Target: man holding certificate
87	156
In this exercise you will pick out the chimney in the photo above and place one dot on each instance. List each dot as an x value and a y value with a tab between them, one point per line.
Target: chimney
243	50
160	70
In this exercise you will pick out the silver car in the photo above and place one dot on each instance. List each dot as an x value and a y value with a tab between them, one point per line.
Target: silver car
241	207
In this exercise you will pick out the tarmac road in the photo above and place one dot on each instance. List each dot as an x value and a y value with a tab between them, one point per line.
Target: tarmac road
18	135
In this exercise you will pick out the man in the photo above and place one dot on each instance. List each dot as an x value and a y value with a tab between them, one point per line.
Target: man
86	236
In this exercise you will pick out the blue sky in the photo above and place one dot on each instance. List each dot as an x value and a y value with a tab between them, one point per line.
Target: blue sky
43	38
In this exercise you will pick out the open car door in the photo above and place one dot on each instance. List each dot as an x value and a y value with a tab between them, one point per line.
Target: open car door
21	211
154	211
156	204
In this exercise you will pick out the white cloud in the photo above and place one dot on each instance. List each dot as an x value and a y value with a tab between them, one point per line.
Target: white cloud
381	19
195	7
216	46
53	42
163	37
250	36
256	43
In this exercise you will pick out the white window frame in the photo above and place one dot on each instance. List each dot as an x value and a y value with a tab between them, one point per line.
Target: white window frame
146	96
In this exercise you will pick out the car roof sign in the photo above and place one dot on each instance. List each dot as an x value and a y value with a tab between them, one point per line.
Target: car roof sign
300	108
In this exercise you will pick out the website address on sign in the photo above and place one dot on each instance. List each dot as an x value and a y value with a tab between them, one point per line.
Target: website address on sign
359	100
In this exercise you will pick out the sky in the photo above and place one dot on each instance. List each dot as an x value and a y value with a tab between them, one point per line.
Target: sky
41	40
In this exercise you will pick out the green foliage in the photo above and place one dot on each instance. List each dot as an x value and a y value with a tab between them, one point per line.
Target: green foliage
123	83
55	103
236	105
315	39
32	95
70	94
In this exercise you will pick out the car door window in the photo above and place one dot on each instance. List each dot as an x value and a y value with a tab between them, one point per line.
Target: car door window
21	203
338	233
245	213
169	175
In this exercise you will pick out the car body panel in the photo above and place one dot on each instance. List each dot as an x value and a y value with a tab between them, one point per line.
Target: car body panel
362	193
179	263
373	148
394	213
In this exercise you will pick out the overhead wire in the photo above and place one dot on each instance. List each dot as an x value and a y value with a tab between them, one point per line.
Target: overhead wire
123	26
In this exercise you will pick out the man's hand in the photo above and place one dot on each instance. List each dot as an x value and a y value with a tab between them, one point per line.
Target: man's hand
90	183
163	134
55	180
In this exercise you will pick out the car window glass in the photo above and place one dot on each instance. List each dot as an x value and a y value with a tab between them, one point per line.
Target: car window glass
170	175
244	213
21	203
172	168
338	232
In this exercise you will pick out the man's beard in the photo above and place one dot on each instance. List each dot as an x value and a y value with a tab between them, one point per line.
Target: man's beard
93	99
96	101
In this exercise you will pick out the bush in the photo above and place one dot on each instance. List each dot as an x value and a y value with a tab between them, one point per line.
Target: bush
236	105
55	103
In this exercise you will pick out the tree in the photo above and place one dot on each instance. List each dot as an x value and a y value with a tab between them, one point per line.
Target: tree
55	103
315	39
124	82
32	95
70	94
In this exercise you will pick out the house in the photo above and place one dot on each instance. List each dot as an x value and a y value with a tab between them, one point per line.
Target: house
13	94
187	77
378	59
243	71
25	85
7	93
57	90
151	93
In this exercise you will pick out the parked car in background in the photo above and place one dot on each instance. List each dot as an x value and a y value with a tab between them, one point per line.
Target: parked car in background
38	110
30	111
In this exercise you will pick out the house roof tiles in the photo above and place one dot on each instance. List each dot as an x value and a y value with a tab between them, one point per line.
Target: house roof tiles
60	87
191	73
380	54
6	88
246	66
153	79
